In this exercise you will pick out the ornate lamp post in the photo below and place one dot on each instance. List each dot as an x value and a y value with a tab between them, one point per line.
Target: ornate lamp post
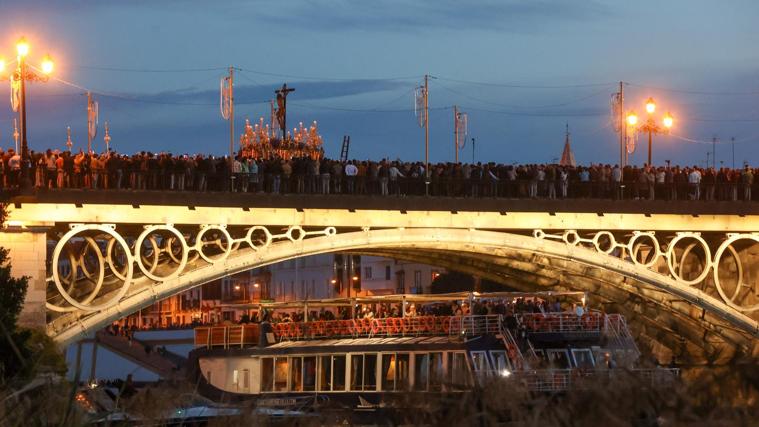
23	73
650	125
107	139
69	142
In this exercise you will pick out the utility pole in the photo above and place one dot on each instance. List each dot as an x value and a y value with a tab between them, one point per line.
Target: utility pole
472	150
714	153
733	143
456	132
91	121
227	107
426	135
622	126
231	126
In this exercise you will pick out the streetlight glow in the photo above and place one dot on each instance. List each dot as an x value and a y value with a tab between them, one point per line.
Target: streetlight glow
47	64
22	47
2	64
650	106
632	119
668	120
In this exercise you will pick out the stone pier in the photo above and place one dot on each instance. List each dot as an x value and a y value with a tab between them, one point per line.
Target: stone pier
28	255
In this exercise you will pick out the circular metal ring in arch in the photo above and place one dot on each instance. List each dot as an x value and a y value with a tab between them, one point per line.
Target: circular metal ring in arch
152	229
571	237
727	245
200	243
295	233
597	243
633	248
258	230
111	259
676	268
73	232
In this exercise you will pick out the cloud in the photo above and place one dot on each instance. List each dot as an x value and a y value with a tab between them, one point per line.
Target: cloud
453	15
253	94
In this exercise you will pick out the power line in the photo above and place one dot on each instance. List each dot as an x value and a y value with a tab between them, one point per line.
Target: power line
527	86
295	76
148	70
363	110
147	100
694	92
563	104
528	114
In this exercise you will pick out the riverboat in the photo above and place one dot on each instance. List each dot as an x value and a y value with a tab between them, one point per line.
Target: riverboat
365	361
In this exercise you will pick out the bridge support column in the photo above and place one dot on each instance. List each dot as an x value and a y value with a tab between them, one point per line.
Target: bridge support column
28	255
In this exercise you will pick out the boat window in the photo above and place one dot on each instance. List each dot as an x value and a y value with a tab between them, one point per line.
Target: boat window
388	372
235	378
357	371
246	379
479	361
296	373
370	372
459	370
280	374
436	371
402	371
325	373
583	358
500	361
267	374
558	359
309	373
421	371
338	372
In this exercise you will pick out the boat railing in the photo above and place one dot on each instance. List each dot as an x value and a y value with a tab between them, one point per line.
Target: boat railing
557	380
387	327
227	336
563	322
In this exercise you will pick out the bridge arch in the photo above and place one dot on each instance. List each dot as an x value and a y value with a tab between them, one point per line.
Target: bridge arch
541	262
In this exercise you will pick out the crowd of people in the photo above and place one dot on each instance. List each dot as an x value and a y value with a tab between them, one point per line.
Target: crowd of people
306	175
494	306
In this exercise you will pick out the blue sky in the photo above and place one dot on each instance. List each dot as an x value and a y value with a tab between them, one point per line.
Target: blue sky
521	69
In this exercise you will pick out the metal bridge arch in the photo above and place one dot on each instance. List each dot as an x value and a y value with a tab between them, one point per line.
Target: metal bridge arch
192	266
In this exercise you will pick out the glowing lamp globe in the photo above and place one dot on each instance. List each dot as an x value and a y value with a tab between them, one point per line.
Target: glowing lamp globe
650	106
668	121
22	47
2	65
632	119
47	64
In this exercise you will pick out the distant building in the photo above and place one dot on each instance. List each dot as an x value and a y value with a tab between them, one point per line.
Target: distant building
315	277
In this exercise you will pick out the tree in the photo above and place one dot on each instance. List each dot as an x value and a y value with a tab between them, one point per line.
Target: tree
12	294
23	352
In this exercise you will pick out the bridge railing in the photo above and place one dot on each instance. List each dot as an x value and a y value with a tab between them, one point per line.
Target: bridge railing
591	322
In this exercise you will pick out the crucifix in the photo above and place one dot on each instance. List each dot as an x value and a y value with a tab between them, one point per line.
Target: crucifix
282	107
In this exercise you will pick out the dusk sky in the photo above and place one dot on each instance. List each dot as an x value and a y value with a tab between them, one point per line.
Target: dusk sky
520	69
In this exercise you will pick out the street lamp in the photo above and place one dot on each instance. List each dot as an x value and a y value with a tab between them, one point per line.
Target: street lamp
23	73
650	125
